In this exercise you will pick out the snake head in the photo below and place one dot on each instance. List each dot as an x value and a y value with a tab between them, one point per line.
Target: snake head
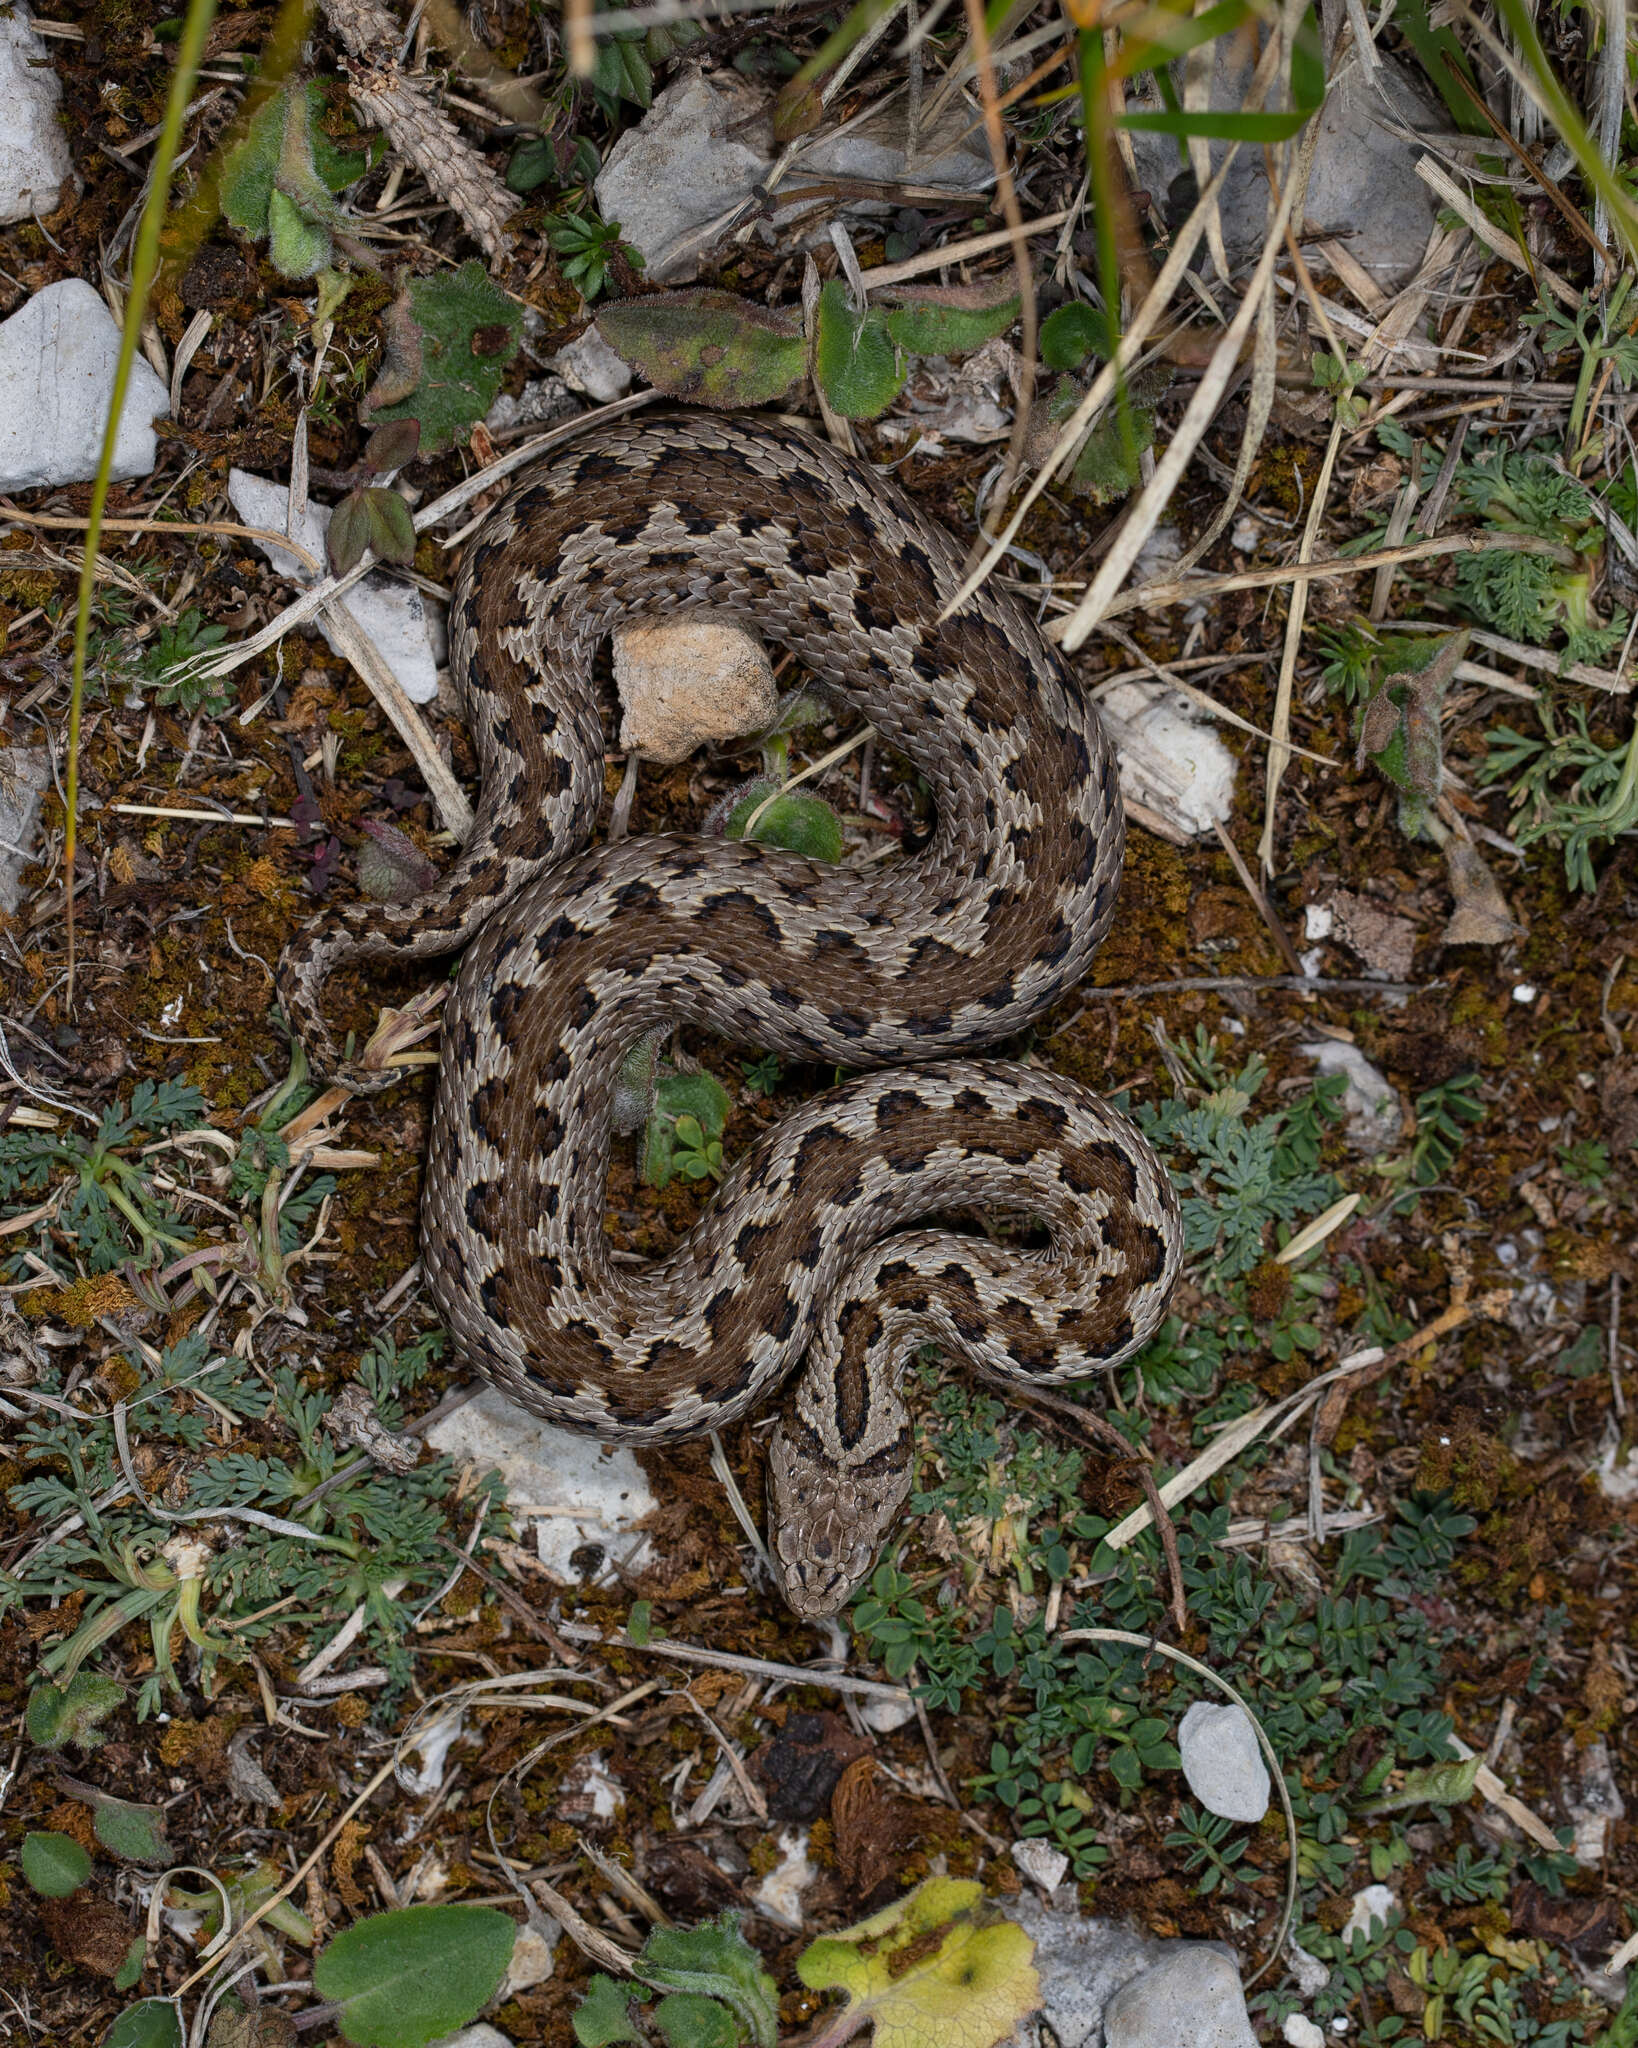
829	1519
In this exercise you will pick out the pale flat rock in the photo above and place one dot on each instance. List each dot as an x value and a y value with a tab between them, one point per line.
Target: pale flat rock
1170	760
393	613
1363	190
1301	2032
1369	1100
1045	1867
35	161
534	1957
25	776
707	142
779	1894
1374	1903
57	359
1593	1801
1081	1963
1222	1761
881	1717
696	153
689	680
577	1493
591	367
1191	1995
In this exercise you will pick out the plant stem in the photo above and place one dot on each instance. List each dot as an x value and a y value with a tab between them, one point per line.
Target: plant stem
144	266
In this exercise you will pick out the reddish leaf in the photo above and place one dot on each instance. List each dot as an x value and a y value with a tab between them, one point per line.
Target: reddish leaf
391	867
393	444
349	532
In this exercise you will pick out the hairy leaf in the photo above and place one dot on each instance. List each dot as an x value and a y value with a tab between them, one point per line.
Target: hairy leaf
949	320
453	335
709	347
402	1979
154	2023
861	369
54	1864
72	1713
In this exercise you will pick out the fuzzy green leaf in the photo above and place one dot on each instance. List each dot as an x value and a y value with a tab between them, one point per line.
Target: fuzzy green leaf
54	1865
403	1979
299	246
468	331
284	141
796	821
72	1713
135	1834
1107	467
861	369
1434	1785
715	1961
709	347
688	2020
1073	333
130	1971
603	2017
154	2023
949	320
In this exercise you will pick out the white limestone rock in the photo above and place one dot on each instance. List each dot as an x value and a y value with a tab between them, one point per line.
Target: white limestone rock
1193	1994
1170	759
35	161
57	358
393	613
579	1495
1369	1101
1222	1761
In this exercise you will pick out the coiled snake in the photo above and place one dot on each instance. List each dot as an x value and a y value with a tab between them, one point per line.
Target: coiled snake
818	1251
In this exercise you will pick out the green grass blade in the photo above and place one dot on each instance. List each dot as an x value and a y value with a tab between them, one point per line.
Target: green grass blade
144	267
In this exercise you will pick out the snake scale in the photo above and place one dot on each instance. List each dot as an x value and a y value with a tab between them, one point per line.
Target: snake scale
819	1266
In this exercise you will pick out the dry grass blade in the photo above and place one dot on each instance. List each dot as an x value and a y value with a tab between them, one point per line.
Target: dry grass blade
1279	754
1143	323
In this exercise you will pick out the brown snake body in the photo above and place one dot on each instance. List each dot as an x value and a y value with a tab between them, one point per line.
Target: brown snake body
816	1247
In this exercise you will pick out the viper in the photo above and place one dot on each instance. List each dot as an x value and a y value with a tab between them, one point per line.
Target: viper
828	1258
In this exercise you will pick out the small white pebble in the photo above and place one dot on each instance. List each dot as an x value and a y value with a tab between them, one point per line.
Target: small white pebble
1318	920
1301	2032
1247	532
1549	1124
1524	992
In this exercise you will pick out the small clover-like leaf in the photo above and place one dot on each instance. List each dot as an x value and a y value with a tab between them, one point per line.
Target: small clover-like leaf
709	347
349	533
54	1864
939	1969
392	529
860	368
392	445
